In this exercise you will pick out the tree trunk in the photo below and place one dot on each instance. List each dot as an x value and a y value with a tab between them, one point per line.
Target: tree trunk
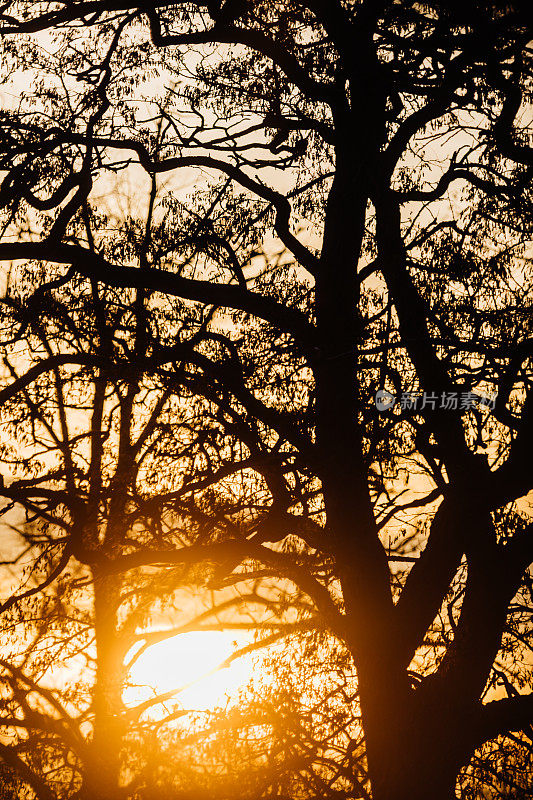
415	747
102	766
414	782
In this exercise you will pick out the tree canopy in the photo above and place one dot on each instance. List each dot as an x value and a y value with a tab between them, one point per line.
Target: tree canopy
266	334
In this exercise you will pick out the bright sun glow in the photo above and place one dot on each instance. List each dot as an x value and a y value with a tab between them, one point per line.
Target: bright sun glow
189	661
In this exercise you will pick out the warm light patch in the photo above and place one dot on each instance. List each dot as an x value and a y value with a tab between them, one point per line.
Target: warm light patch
190	661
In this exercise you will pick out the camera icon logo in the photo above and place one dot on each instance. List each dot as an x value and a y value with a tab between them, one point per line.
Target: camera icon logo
384	400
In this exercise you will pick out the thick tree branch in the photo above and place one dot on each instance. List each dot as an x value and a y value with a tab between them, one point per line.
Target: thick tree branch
95	267
238	551
26	773
256	40
501	717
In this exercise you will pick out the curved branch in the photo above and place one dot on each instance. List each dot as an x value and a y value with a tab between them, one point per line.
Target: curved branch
94	266
255	40
238	551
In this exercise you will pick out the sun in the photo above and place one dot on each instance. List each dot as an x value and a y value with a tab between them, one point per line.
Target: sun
189	663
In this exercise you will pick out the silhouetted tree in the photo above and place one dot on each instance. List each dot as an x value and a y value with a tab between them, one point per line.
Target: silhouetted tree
93	450
377	153
102	456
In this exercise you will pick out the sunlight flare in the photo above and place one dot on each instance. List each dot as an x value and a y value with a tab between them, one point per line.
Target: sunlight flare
191	665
